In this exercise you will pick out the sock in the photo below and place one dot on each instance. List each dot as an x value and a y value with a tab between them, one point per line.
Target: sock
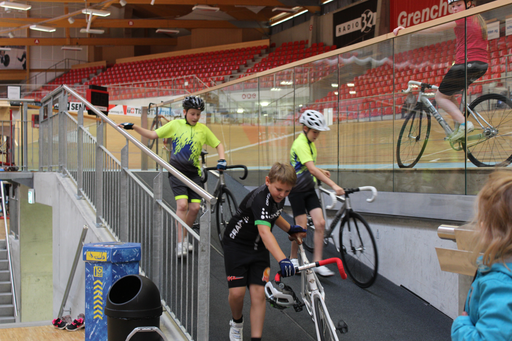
239	320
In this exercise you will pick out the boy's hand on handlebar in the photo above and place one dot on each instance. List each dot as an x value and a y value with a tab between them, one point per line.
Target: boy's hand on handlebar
296	233
338	190
221	164
287	268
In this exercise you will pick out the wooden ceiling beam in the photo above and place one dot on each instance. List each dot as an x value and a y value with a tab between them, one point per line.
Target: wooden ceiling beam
87	41
182	2
119	23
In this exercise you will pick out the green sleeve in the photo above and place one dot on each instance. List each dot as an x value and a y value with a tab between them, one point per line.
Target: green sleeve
166	130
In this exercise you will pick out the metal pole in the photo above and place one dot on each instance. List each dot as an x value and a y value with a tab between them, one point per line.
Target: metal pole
158	231
203	281
80	154
124	199
99	173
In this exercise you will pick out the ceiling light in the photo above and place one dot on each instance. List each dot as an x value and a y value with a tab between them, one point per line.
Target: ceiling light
283	9
14	5
91	31
205	8
71	48
98	12
10	34
42	28
5	49
240	110
166	30
122	2
288	18
152	2
71	20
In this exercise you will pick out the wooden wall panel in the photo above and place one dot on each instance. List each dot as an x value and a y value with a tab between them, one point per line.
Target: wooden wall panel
202	37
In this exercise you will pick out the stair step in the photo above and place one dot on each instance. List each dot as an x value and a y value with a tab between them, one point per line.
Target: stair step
5	276
3	244
7	319
3	254
5	298
7	310
5	286
4	265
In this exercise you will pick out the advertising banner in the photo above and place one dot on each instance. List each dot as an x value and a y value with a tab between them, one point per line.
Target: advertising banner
13	58
355	23
409	13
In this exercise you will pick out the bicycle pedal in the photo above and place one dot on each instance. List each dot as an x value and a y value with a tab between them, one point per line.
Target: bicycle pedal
342	327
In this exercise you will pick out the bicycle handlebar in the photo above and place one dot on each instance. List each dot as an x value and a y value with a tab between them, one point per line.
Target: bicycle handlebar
336	260
335	198
204	176
418	84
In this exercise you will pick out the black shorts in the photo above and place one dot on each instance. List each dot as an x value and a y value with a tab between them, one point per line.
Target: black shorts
454	80
303	202
245	266
181	191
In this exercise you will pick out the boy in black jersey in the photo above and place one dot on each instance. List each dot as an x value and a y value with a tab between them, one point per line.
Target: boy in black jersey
248	240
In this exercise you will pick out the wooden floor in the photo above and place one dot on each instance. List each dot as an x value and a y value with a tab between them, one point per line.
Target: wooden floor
40	333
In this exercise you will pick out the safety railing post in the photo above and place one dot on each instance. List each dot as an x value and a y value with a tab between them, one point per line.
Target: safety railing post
50	134
203	281
99	173
158	231
124	199
41	137
24	119
63	105
80	153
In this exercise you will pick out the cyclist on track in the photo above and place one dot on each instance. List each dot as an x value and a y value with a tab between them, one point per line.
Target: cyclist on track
188	137
248	242
475	63
303	198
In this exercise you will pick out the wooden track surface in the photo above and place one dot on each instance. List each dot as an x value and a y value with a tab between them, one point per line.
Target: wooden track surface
40	333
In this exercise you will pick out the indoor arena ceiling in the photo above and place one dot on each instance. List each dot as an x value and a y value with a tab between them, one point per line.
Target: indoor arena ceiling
180	15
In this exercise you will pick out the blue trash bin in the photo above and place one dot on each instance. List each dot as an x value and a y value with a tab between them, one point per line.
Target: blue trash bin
105	263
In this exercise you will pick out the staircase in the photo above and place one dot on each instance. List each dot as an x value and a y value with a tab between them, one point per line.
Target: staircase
6	302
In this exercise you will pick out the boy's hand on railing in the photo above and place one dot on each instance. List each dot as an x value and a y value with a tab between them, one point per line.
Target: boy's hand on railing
126	125
221	164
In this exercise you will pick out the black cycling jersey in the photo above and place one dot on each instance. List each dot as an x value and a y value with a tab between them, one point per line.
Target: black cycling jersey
257	208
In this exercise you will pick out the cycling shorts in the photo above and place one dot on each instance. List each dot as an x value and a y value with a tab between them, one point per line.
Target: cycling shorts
303	202
182	191
244	265
454	80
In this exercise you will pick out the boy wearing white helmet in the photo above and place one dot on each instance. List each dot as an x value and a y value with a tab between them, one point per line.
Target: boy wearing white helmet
471	62
303	198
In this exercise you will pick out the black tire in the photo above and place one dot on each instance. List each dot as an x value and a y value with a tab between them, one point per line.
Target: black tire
322	322
358	250
309	241
7	60
494	147
413	138
224	209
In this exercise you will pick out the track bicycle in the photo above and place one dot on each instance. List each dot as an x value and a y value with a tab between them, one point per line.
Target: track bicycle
312	294
356	241
226	204
489	145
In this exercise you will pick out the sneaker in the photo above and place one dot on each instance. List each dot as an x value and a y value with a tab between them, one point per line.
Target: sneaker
323	271
77	324
236	331
296	264
187	245
61	323
459	133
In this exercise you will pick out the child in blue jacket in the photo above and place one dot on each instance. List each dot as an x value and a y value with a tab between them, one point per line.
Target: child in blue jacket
488	311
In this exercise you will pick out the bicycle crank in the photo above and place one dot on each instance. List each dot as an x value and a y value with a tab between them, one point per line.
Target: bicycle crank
342	327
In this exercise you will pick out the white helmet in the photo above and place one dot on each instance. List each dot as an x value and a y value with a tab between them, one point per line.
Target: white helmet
281	297
314	120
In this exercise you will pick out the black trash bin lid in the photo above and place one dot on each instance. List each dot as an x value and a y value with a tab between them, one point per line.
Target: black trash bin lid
133	296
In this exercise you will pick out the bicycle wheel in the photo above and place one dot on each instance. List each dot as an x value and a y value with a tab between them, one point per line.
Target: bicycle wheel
323	321
413	138
490	145
224	209
358	250
309	241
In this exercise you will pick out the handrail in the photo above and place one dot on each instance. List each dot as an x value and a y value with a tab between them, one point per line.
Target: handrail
11	273
204	194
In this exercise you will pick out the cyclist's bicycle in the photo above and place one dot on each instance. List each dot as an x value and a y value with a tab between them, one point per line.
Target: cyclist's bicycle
489	145
282	296
356	242
226	204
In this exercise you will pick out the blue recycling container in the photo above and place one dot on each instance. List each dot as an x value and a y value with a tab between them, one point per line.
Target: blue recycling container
105	263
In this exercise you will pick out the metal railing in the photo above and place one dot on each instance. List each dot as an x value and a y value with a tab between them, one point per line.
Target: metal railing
129	209
11	272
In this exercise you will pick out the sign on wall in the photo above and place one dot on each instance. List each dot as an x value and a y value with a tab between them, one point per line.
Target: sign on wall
355	24
408	13
13	59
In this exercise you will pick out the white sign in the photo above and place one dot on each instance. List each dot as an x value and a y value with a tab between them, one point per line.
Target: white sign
328	114
363	24
13	92
508	26
493	30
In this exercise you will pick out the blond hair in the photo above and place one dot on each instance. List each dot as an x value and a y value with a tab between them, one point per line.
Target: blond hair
283	173
493	222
